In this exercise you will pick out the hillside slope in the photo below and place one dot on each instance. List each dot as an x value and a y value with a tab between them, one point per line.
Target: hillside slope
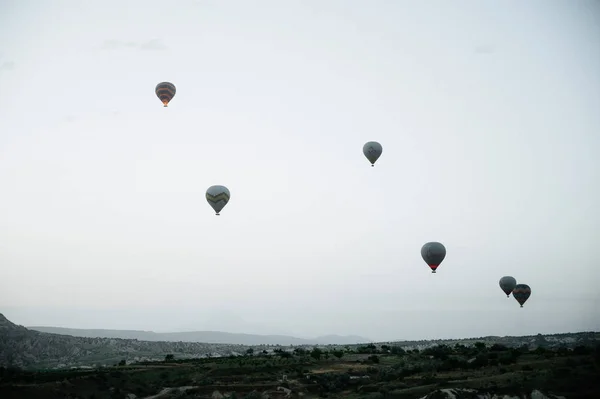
26	348
211	337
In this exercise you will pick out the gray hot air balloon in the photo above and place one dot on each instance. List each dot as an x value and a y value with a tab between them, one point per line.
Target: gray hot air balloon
372	151
433	254
508	284
521	293
217	197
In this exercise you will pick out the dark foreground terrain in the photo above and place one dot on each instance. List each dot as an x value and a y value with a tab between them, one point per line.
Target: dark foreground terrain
368	371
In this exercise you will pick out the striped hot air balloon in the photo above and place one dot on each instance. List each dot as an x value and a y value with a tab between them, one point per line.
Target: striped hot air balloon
165	91
521	293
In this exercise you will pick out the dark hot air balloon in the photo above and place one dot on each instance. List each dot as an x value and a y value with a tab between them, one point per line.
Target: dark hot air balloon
507	284
372	151
433	254
165	91
521	293
217	197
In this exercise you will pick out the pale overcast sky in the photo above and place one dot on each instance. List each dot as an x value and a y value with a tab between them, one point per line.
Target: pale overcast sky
489	117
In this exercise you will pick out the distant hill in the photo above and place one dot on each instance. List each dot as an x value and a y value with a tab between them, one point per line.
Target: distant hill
26	348
569	340
209	337
31	349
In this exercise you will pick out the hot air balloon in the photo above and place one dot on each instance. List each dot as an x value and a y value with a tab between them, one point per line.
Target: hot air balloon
217	197
507	284
433	254
372	151
165	91
521	293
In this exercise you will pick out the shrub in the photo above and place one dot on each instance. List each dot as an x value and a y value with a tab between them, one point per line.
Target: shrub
373	359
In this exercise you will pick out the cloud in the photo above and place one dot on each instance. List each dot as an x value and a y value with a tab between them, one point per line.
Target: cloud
485	49
151	45
154	44
115	44
7	66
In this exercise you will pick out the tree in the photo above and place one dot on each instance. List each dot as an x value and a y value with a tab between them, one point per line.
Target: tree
338	354
397	350
439	351
498	348
562	351
249	351
540	350
524	348
370	348
540	340
374	358
169	358
582	350
316	353
300	351
480	360
122	362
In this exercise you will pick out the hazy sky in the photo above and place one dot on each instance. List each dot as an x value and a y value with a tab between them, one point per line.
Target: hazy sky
489	117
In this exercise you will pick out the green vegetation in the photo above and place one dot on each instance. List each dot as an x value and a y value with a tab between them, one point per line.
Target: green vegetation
366	371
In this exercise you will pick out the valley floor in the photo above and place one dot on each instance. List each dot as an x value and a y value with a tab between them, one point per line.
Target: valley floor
369	372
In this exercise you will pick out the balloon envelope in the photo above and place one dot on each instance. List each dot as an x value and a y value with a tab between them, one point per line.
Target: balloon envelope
165	91
507	284
521	293
372	151
433	253
217	197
